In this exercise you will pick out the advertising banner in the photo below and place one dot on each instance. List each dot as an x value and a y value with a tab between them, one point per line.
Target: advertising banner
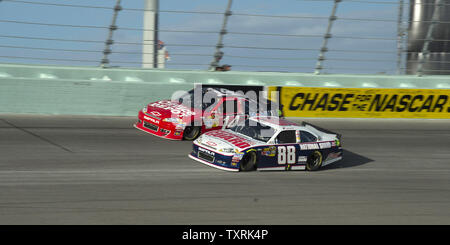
364	102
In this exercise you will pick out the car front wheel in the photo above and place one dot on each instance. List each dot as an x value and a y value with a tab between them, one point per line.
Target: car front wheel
191	133
248	162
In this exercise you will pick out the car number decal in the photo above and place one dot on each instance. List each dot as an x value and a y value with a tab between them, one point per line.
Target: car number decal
286	154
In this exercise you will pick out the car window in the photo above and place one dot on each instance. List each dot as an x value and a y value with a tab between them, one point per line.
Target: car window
247	108
287	136
208	104
206	100
307	137
228	107
254	130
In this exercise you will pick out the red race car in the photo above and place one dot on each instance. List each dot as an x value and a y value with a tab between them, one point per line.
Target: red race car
184	119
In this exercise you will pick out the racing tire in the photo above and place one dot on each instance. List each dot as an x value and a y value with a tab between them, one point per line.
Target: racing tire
314	161
248	162
191	133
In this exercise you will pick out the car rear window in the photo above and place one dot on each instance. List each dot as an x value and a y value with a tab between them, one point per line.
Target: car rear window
307	137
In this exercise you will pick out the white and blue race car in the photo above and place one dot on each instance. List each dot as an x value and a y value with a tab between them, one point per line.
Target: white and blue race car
267	143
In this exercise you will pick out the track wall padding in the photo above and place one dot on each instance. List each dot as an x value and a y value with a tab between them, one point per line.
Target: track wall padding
58	90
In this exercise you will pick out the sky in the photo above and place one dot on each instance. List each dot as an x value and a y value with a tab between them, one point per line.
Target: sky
381	58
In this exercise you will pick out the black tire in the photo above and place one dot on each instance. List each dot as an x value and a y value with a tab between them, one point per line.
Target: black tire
248	162
191	133
314	161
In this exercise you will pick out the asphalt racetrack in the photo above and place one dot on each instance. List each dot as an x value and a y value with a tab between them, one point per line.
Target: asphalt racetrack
101	170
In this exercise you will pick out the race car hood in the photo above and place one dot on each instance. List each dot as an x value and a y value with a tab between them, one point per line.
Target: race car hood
225	139
172	109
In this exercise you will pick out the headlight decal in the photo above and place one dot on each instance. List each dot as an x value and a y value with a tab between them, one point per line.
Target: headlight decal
227	150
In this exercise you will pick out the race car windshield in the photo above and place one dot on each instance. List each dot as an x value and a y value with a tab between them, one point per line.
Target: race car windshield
188	98
255	130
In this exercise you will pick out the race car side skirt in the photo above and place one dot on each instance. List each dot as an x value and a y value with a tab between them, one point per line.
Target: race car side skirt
283	168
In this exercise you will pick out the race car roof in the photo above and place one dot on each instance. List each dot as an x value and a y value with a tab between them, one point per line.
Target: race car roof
276	122
222	92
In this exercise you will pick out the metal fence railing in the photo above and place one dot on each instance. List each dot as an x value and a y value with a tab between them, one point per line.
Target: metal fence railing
321	36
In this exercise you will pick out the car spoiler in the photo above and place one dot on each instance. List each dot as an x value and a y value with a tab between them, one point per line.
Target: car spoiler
322	129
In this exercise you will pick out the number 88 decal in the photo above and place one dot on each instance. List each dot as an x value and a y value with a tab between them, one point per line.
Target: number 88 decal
286	154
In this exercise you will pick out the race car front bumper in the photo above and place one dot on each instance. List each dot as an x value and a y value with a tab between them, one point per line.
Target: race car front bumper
157	127
213	158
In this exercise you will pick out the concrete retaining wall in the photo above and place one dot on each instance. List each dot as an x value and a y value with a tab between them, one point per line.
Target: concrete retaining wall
122	92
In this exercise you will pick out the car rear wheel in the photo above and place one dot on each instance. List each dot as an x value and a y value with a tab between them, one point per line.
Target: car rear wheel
248	162
191	133
314	161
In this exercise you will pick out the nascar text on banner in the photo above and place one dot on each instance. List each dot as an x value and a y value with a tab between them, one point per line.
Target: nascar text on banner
364	102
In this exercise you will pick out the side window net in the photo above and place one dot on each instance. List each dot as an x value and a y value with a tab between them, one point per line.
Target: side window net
287	137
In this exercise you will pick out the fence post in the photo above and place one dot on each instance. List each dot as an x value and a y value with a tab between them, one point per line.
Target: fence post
429	37
109	41
219	54
327	36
